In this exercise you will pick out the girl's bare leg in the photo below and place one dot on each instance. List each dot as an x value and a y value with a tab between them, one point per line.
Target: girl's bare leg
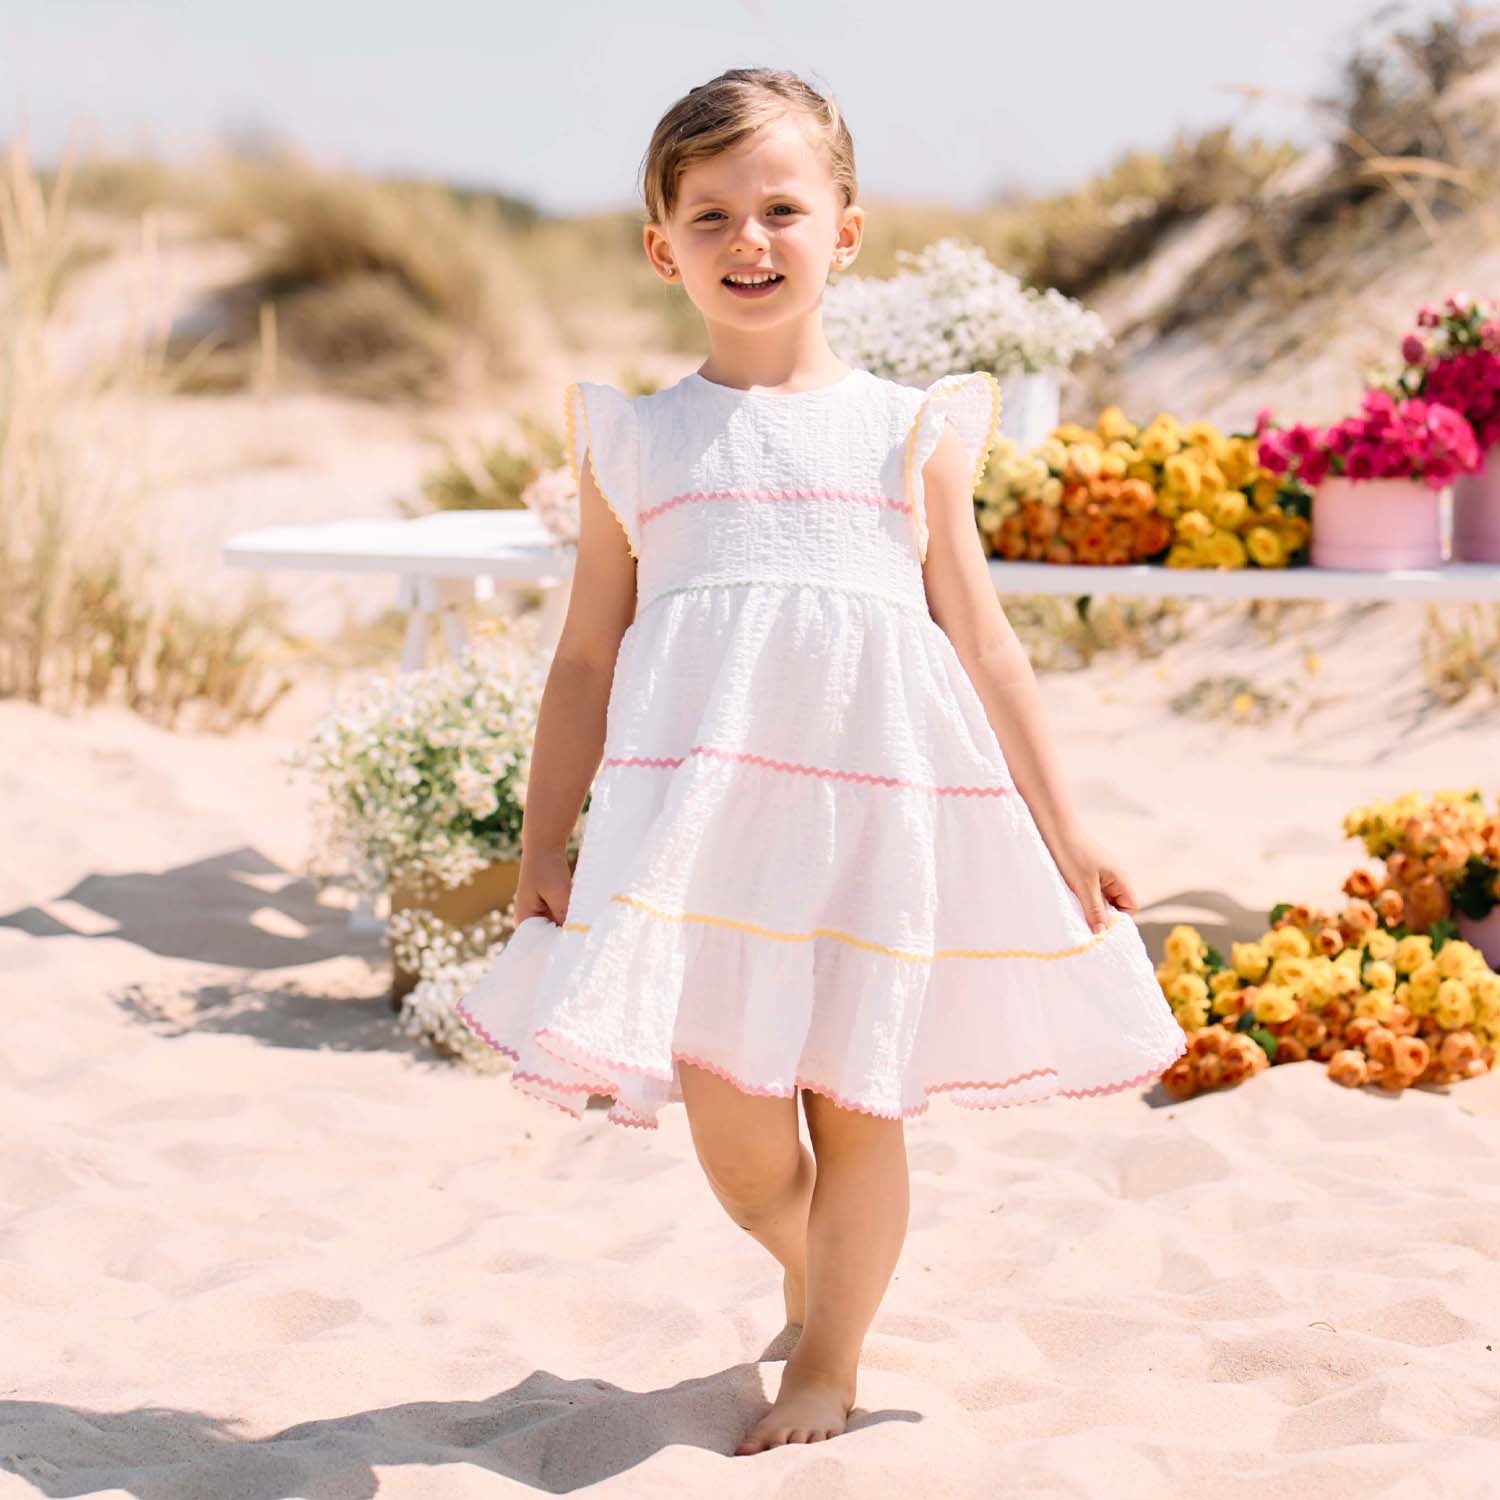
758	1168
856	1227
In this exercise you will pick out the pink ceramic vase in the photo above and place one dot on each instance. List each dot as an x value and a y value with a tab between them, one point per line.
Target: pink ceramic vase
1476	513
1484	934
1376	523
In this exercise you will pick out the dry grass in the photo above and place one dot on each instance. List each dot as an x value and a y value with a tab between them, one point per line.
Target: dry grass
128	186
1116	221
1063	633
1231	696
1461	650
1401	154
492	476
83	616
388	291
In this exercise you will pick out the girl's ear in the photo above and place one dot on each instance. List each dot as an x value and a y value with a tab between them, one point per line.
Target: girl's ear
658	252
850	236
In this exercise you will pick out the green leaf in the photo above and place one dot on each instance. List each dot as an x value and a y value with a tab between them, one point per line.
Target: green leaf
1440	932
1267	1041
1475	894
1278	912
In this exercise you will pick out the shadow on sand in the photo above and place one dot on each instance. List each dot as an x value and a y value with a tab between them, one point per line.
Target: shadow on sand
549	1433
239	909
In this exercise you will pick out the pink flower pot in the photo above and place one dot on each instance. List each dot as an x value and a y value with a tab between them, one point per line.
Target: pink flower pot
1376	523
1476	513
1484	934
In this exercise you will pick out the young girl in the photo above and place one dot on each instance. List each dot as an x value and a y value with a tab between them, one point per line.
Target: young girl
809	866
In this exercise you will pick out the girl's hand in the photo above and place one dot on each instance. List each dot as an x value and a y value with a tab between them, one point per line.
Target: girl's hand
543	886
1094	877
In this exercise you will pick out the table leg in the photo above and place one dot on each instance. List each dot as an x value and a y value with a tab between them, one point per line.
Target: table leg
362	918
414	595
451	593
552	614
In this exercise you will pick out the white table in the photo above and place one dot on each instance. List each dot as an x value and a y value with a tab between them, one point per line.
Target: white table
440	560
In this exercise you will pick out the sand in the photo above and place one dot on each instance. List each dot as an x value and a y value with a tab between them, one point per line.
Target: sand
254	1243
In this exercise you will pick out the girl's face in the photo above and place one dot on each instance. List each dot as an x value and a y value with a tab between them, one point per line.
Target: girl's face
770	204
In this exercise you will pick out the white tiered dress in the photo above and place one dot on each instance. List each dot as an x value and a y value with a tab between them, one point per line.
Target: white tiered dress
804	863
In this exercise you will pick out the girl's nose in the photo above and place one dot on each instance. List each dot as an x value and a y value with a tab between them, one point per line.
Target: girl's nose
749	233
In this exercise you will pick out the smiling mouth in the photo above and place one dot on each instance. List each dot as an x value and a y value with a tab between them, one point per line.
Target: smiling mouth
772	279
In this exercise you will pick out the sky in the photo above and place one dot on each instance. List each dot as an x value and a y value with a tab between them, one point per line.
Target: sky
555	100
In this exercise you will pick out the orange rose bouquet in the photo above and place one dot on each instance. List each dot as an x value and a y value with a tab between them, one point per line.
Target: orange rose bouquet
1117	493
1441	856
1338	988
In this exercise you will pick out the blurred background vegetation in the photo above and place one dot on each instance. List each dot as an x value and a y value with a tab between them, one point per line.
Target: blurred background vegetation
415	295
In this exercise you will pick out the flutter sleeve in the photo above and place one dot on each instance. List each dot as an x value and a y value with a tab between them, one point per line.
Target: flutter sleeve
601	429
972	403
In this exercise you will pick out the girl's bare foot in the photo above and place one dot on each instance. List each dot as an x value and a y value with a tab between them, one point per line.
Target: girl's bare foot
810	1406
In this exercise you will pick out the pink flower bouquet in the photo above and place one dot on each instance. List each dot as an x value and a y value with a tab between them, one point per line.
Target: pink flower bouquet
1453	357
1389	438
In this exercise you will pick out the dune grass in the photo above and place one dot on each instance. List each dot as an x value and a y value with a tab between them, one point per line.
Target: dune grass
492	476
1461	650
381	290
84	616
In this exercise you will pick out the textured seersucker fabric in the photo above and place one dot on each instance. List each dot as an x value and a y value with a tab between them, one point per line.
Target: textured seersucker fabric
804	862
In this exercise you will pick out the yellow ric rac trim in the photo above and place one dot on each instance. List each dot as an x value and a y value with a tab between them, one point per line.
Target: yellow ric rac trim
571	439
854	942
920	521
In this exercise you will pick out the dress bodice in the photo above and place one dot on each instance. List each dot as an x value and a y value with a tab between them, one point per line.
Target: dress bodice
820	488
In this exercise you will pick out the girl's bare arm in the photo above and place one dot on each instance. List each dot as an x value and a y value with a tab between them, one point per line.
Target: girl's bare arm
571	717
961	596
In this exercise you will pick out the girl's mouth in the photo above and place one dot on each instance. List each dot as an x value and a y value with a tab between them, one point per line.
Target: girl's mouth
750	293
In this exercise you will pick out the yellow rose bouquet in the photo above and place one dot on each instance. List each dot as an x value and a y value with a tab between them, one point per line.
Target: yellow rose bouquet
1116	493
1441	856
1337	988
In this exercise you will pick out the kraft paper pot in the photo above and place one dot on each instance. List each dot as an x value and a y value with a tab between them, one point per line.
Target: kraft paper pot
1376	523
1476	513
492	889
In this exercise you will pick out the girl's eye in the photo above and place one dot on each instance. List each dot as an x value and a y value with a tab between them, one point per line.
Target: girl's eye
703	218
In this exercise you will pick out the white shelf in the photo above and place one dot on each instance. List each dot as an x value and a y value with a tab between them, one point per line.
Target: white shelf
509	546
1452	582
512	547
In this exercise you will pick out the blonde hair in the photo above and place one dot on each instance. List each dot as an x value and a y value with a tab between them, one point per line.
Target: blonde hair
716	116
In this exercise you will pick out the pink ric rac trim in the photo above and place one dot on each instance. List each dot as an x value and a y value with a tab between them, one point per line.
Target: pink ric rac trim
811	493
785	765
621	1116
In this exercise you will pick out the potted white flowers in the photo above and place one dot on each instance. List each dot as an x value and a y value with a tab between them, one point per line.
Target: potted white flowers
950	309
423	780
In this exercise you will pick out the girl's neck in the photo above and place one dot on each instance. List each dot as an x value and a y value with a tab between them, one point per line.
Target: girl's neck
742	365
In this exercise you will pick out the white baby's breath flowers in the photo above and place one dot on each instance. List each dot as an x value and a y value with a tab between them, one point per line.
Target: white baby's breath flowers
423	776
950	310
431	1010
448	962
